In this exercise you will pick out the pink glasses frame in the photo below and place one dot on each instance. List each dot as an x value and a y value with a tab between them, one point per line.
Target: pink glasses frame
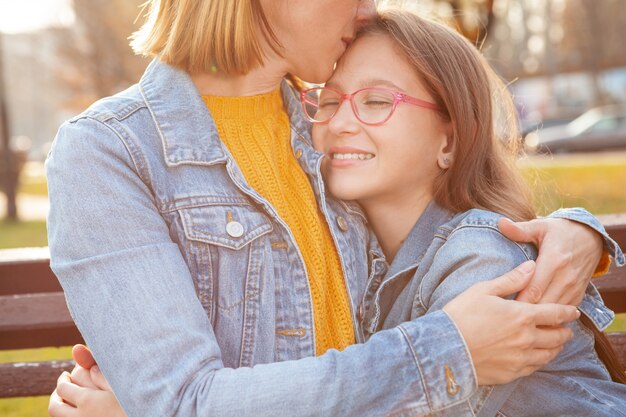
398	97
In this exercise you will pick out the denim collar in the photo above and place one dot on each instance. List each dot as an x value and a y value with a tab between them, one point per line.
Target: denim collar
185	125
419	239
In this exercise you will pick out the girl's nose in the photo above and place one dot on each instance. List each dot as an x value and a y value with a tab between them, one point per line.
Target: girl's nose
344	121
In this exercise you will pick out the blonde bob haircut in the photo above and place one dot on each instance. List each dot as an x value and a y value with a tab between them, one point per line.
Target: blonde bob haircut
206	35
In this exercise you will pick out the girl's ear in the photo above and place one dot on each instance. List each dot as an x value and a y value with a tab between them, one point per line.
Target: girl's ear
446	153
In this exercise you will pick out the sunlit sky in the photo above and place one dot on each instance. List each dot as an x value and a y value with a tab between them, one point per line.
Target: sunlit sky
27	15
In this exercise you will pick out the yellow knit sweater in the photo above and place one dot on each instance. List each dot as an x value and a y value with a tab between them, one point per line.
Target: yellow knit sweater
256	131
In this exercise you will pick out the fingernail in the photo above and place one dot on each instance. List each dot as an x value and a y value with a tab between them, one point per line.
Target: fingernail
578	313
527	266
95	369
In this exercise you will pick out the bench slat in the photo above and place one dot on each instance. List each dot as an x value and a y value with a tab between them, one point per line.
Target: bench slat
33	311
36	320
26	271
618	341
31	378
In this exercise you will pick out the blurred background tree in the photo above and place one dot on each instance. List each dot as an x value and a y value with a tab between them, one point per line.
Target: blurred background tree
97	50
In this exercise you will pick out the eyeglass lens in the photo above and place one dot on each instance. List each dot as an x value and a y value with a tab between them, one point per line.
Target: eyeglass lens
370	105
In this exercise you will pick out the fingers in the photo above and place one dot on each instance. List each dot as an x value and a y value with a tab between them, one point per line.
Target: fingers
511	282
534	291
550	339
569	291
554	314
539	358
524	232
83	357
82	377
99	379
68	391
57	408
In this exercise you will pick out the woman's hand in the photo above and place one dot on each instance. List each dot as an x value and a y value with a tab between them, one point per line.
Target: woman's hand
85	392
509	339
568	255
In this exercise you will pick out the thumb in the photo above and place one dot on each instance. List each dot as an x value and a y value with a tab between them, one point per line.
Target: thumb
517	231
512	282
83	357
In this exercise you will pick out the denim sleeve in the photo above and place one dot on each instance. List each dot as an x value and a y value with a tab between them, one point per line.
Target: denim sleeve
131	295
581	215
470	255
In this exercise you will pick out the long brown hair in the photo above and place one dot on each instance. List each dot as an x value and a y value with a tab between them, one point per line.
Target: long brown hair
480	110
484	128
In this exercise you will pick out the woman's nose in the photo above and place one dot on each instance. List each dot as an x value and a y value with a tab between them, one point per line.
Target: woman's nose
366	12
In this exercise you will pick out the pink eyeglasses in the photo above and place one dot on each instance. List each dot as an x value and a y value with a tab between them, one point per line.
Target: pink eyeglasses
372	106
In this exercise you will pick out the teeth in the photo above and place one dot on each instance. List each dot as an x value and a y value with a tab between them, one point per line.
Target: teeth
359	156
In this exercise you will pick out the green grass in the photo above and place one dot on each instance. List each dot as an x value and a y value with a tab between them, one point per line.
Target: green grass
38	188
600	188
32	181
22	234
619	324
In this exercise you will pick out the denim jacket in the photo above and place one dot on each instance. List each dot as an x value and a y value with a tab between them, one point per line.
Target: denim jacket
446	254
189	288
191	291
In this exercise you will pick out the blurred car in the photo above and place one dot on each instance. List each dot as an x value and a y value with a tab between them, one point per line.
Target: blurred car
532	127
601	128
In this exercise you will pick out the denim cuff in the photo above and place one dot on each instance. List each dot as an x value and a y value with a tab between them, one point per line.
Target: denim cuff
581	215
442	359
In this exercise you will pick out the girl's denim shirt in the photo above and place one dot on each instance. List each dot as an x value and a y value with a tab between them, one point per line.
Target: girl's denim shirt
187	286
444	255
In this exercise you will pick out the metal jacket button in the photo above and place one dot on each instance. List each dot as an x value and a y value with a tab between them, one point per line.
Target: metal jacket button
342	223
299	154
234	229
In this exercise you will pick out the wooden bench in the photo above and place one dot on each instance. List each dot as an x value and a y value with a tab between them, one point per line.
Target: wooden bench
33	314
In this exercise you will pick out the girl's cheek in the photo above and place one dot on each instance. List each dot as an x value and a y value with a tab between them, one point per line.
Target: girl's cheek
317	136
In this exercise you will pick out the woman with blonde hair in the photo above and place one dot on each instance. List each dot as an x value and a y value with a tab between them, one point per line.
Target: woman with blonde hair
196	243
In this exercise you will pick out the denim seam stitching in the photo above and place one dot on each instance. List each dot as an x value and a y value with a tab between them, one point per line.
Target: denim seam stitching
417	364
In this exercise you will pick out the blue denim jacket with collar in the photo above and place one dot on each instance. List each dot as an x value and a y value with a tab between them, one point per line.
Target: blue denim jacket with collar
446	254
190	290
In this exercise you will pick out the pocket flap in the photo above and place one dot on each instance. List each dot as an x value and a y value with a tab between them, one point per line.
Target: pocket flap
228	226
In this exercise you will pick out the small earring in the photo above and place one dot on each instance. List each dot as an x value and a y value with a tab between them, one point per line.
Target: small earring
446	161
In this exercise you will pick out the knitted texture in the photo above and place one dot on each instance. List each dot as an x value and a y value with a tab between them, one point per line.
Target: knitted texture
256	131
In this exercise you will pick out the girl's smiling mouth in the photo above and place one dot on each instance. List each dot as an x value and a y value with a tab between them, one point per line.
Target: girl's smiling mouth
347	156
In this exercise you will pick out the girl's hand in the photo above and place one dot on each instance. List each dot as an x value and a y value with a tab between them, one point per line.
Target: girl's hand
568	255
509	339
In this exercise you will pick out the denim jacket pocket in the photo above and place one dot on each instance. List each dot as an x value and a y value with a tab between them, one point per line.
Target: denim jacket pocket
231	227
223	240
